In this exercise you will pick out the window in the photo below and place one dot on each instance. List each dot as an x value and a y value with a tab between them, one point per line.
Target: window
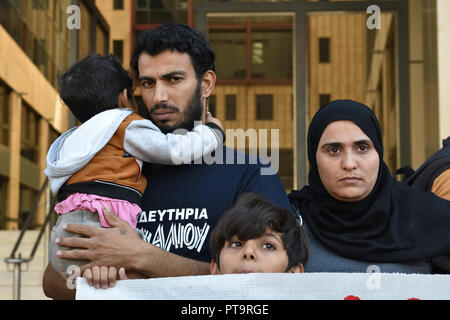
118	49
39	28
101	41
212	105
324	99
324	50
264	107
4	115
27	198
93	35
40	4
258	52
267	60
252	48
52	135
30	132
118	4
151	11
230	107
40	57
142	4
84	42
231	63
286	169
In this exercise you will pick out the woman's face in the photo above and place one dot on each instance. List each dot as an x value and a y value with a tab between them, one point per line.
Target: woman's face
347	161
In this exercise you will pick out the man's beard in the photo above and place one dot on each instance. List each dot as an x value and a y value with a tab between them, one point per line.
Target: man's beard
193	112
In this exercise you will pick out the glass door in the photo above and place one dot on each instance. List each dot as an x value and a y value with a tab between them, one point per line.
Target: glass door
253	96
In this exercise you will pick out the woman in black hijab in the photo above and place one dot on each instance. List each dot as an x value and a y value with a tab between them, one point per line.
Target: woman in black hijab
355	213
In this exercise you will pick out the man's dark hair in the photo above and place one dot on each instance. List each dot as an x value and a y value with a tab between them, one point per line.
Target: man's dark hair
93	84
175	37
249	218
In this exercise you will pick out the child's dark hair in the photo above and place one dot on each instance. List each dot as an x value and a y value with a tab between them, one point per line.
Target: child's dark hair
175	37
249	218
93	84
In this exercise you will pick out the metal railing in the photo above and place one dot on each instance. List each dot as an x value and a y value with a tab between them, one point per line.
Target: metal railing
15	258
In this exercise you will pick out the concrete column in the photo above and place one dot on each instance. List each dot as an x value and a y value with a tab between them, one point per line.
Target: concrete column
43	147
13	189
416	83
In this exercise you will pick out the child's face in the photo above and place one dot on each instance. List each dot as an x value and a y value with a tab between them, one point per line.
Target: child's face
263	254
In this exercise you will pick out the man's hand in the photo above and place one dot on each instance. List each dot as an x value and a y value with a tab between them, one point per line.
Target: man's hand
116	246
120	246
210	118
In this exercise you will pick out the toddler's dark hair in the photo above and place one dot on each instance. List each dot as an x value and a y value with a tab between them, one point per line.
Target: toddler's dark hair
93	84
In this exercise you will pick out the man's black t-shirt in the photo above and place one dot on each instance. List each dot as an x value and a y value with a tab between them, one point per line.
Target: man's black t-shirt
182	204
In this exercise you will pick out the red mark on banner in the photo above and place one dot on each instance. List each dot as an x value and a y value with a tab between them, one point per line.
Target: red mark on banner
352	298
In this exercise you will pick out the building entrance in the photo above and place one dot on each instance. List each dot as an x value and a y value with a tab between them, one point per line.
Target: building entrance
277	63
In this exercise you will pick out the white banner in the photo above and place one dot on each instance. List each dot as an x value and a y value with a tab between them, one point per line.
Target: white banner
276	286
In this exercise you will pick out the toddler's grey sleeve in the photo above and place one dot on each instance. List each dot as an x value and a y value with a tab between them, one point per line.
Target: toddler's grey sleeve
144	141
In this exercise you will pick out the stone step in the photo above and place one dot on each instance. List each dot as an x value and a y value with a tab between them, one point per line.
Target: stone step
28	278
26	293
11	236
39	257
31	276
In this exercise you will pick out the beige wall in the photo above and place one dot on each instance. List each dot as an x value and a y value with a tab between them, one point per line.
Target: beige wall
19	73
120	24
246	111
28	84
345	76
254	136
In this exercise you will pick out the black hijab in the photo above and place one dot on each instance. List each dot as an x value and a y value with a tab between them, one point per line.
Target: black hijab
394	223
